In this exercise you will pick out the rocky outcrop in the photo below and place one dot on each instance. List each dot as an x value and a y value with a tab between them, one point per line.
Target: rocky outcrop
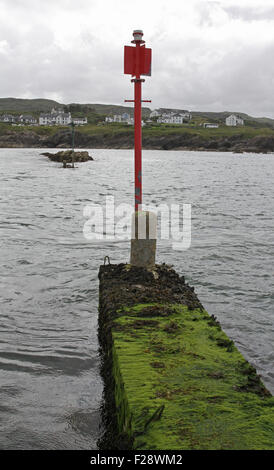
24	138
125	140
68	156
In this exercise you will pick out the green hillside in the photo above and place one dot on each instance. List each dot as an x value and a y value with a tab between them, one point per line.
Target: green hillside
26	105
107	109
221	116
18	105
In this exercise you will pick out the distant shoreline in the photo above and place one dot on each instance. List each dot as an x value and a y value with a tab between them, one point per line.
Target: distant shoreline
107	137
177	149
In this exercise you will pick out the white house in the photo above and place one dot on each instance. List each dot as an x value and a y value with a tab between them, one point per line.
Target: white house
125	118
164	118
186	115
211	125
55	117
172	117
177	119
63	119
45	119
22	119
8	118
154	113
234	120
80	121
131	122
27	119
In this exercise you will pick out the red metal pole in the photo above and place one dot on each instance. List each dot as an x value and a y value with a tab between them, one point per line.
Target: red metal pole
137	62
138	134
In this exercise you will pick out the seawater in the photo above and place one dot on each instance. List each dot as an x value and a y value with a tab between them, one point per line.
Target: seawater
50	385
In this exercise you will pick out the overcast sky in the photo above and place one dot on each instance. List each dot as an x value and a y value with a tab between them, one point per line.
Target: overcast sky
207	55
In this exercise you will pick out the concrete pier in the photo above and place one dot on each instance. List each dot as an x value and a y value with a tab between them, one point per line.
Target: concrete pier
173	379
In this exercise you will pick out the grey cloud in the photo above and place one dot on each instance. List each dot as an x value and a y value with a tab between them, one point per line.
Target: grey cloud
205	12
188	70
238	82
250	13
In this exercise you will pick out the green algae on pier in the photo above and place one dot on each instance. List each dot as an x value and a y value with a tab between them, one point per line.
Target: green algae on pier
180	383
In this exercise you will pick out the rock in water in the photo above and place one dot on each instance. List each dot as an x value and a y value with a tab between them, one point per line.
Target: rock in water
68	156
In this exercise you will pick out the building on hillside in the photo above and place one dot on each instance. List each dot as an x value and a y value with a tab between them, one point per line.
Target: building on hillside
211	125
234	120
80	121
169	112
55	118
186	115
172	117
27	119
57	111
8	118
45	119
125	118
114	118
117	118
63	119
19	120
130	122
154	113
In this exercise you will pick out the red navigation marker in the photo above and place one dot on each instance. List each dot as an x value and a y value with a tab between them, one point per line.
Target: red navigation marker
130	61
137	62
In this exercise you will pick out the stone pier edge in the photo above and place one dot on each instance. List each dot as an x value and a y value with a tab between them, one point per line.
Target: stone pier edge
173	379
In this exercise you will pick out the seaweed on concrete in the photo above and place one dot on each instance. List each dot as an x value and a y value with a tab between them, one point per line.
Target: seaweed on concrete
173	379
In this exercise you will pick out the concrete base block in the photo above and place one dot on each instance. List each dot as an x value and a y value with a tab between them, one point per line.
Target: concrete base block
143	239
142	253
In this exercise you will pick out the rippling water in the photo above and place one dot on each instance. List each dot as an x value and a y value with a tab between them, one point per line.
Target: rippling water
50	388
